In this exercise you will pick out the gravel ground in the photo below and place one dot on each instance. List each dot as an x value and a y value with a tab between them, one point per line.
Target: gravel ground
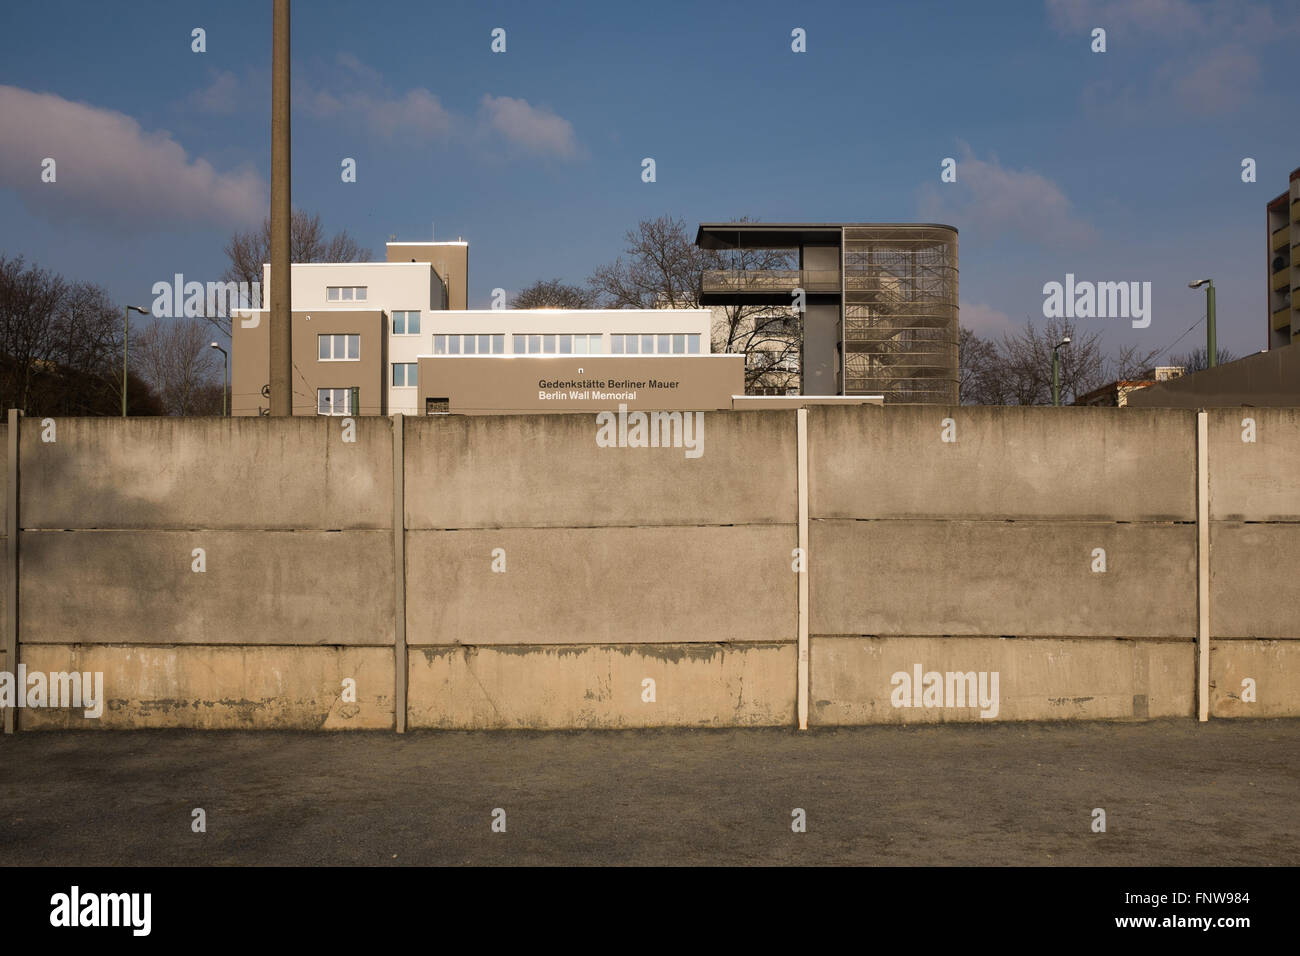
1174	793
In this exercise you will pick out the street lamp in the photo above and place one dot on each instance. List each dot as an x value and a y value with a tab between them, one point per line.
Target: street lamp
1056	371
1211	348
126	335
224	378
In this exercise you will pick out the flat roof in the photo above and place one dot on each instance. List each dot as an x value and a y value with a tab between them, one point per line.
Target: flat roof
446	242
710	235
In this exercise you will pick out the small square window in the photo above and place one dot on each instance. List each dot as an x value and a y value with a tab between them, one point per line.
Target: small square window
332	295
346	293
361	293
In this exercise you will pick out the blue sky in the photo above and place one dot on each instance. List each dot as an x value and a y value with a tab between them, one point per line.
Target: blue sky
1123	165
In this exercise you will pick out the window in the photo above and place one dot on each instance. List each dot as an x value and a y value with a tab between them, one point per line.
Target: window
339	348
437	406
335	401
556	344
345	293
404	374
489	344
679	343
406	323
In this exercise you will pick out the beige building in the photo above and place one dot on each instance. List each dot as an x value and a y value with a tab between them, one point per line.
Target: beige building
1284	266
360	330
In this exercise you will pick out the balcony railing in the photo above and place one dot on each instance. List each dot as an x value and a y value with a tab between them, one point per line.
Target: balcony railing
771	280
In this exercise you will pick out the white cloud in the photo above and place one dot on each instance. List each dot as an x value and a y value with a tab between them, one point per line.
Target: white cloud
112	172
222	95
993	200
535	128
984	320
1203	57
419	114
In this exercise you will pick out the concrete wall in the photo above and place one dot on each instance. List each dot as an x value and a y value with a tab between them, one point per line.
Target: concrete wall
1269	378
552	583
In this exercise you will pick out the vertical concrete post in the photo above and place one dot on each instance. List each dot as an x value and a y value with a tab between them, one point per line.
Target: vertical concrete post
1202	566
400	675
11	566
281	217
802	420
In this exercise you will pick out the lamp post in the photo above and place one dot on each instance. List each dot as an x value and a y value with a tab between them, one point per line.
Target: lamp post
126	335
1211	346
1056	371
225	377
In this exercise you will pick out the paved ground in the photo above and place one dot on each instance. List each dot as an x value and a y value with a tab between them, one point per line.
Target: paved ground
1174	793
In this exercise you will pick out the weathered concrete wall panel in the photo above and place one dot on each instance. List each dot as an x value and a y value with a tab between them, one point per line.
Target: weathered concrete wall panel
547	471
1024	578
233	473
1255	480
139	587
602	586
1252	572
1274	668
741	685
1022	462
227	688
1037	679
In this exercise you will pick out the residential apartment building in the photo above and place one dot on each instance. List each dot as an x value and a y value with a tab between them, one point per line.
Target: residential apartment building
880	300
359	329
1284	266
1116	394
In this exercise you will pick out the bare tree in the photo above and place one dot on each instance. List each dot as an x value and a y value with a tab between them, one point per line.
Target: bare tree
1130	363
1195	360
61	346
176	358
979	369
554	294
1018	369
664	268
247	251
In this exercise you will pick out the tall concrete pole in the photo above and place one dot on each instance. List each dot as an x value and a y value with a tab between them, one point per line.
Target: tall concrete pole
281	217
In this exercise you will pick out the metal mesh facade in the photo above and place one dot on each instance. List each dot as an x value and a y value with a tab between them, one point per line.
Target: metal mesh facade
900	313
